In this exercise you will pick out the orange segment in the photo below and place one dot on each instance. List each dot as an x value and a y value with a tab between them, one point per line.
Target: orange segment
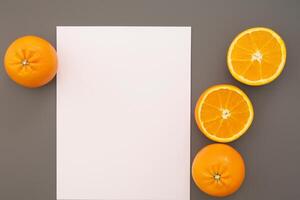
223	113
256	56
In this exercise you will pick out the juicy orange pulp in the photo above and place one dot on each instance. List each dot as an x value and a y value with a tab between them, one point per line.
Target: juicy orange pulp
256	56
223	113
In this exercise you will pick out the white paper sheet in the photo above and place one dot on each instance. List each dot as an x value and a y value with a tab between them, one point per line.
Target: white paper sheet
123	113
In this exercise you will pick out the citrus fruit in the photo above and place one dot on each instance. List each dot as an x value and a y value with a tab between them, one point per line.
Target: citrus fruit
31	61
218	170
256	56
223	113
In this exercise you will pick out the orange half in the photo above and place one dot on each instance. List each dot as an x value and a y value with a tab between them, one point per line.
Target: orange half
224	113
256	56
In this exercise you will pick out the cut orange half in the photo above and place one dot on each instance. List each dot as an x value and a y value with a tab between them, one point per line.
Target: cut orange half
256	56
223	113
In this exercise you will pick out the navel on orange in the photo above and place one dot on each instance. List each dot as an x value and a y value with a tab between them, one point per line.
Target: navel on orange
256	56
223	113
31	61
218	170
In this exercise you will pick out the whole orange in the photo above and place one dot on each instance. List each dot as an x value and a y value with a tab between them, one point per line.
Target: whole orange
218	170
31	61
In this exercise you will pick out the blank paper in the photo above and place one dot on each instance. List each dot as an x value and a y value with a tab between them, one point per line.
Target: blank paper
123	113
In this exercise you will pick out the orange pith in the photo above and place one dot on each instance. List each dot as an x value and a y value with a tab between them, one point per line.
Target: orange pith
223	113
256	56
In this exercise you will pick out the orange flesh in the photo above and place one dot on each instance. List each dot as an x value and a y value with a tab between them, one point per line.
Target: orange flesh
256	55
224	113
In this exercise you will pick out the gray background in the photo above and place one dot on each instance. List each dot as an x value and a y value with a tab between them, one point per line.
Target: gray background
271	146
